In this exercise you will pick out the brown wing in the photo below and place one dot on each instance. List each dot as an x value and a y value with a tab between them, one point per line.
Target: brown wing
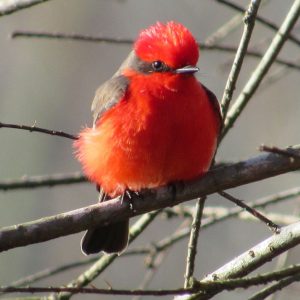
108	95
112	91
215	104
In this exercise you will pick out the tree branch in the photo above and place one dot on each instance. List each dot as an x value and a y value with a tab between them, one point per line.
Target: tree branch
29	182
99	266
260	19
249	22
192	247
46	273
11	6
263	67
125	41
283	219
251	170
285	152
263	294
33	128
207	286
96	291
252	259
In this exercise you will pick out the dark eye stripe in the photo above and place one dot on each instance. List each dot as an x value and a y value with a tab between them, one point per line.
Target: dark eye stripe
149	67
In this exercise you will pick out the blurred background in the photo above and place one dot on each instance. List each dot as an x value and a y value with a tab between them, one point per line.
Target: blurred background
52	83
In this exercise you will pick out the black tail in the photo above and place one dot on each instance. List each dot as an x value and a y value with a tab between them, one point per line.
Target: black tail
112	238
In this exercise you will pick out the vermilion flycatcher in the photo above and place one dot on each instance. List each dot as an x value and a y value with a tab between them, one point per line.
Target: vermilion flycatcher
154	124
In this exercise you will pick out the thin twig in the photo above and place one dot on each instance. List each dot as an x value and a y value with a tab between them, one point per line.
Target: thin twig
192	246
152	271
281	263
260	19
253	258
125	41
279	73
213	216
263	67
148	249
70	36
29	182
99	266
274	227
203	286
78	263
283	219
9	7
80	290
246	282
158	254
33	128
250	53
285	152
264	293
228	27
224	30
249	22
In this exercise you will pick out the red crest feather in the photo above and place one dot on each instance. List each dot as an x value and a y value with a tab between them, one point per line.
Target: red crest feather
171	43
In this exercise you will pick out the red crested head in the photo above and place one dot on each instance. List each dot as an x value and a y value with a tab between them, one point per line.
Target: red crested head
171	43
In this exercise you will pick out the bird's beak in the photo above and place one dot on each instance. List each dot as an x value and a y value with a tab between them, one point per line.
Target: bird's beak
187	70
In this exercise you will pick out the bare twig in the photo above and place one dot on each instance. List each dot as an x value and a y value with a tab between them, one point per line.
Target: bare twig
75	264
285	152
156	262
260	19
148	250
203	286
249	21
250	281
192	247
9	7
33	128
125	41
228	27
263	294
99	266
70	36
283	219
29	182
80	290
274	227
213	216
279	73
263	67
260	203
224	30
250	53
255	169
253	258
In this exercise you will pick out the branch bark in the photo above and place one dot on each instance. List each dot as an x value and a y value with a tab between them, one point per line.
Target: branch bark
30	182
11	6
249	22
263	67
251	170
251	259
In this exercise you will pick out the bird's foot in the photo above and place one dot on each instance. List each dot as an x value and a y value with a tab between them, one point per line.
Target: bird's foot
130	197
174	188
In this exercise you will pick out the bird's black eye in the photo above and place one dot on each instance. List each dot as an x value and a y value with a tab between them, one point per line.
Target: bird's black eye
158	66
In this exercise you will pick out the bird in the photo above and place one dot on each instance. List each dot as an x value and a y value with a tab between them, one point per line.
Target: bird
154	124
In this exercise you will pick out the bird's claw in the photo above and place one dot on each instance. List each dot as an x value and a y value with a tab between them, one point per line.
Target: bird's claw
175	187
130	197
